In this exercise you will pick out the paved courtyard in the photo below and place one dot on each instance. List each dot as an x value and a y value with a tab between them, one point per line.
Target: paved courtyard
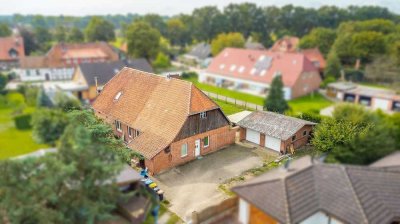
194	186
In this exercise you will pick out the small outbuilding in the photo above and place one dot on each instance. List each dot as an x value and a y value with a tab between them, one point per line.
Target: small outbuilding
275	131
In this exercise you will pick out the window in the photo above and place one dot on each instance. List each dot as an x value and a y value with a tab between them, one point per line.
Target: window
233	67
304	133
221	66
241	69
184	150
253	71
118	125
118	95
206	141
137	133
263	72
203	115
130	132
28	73
293	138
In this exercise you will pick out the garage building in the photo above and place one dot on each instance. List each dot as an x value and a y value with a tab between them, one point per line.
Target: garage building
275	131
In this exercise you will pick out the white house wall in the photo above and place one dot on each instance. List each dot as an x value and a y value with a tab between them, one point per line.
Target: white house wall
31	75
203	78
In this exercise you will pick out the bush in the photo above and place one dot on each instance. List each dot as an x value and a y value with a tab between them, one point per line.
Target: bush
313	117
23	121
15	99
187	75
162	61
327	80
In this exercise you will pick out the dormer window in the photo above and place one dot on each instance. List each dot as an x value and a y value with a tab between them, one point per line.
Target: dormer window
130	132
118	95
203	115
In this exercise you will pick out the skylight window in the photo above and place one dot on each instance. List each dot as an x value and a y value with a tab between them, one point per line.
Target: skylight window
233	67
118	95
221	66
253	71
241	69
263	72
262	57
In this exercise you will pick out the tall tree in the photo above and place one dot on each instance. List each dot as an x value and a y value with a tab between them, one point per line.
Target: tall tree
157	22
207	22
322	38
5	30
275	100
143	40
99	29
75	35
224	40
30	44
333	66
176	31
60	34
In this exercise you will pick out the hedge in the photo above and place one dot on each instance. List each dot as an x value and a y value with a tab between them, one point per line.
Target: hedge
23	121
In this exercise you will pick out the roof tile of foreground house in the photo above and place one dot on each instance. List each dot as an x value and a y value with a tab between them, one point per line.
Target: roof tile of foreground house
157	106
56	57
261	66
11	48
273	124
351	194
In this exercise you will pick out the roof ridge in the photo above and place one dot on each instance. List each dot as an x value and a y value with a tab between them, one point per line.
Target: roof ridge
357	200
287	209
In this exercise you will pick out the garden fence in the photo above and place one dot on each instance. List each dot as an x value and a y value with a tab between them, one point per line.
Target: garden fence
236	102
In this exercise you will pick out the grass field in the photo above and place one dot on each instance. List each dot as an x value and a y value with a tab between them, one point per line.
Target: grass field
310	103
14	142
228	108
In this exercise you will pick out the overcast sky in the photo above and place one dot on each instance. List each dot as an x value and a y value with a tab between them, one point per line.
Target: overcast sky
163	7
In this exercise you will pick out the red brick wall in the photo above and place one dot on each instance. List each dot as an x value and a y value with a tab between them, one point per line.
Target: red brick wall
310	79
218	139
300	139
242	134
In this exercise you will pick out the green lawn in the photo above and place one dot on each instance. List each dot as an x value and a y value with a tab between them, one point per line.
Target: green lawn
14	142
229	108
226	92
310	103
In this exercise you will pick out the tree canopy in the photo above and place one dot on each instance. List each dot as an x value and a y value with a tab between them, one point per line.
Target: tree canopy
143	40
5	31
225	40
99	29
321	38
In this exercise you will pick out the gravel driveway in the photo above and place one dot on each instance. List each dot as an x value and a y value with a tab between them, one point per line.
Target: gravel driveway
194	186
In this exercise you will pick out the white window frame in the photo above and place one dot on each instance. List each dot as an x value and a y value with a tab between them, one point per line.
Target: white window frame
130	132
208	141
184	146
203	115
118	125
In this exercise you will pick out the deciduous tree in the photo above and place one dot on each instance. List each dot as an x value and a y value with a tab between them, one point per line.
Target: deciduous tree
224	40
320	37
99	29
143	40
5	30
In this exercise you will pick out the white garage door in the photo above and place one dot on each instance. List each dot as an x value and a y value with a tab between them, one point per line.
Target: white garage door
273	143
381	104
253	136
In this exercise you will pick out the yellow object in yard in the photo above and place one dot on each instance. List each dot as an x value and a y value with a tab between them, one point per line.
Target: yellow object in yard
153	185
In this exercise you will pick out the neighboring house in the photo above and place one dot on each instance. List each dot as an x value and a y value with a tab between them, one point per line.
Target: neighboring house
252	71
316	57
169	121
275	131
310	192
199	53
95	75
390	162
254	46
375	98
11	51
286	44
59	62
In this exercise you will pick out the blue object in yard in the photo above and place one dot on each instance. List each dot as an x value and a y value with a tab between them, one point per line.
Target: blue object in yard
154	213
148	182
143	172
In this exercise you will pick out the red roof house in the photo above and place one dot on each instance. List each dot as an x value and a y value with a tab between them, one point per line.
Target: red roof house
286	44
316	57
11	50
252	71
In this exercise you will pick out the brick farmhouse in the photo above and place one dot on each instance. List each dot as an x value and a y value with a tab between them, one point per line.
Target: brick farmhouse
275	131
169	121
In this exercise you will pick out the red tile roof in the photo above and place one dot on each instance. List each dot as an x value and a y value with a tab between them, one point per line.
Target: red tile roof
314	55
156	106
241	64
56	56
286	44
9	43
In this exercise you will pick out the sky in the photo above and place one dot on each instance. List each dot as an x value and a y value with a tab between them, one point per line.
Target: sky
162	7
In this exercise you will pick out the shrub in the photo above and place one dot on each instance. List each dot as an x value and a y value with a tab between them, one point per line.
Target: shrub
313	117
354	75
187	75
23	121
327	80
161	61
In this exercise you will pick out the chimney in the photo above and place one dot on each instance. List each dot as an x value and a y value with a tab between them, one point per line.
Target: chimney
97	87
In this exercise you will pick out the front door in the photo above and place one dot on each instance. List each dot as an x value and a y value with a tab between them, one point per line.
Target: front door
197	148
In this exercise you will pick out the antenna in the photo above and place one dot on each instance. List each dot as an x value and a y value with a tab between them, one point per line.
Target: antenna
97	88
